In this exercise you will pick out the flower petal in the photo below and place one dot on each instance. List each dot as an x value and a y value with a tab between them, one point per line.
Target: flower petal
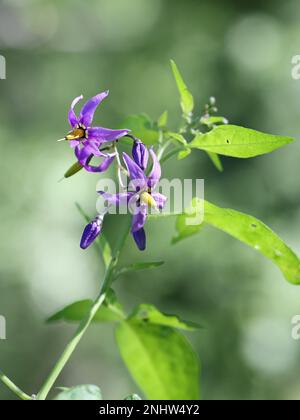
94	148
83	153
139	219
105	164
87	113
140	239
135	172
155	174
159	199
120	199
140	154
90	233
73	120
106	134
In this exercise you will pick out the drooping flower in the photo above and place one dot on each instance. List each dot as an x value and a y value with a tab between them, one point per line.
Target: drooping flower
142	197
87	140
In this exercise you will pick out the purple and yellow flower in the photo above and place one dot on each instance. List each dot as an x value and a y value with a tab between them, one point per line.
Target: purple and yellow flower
87	140
142	197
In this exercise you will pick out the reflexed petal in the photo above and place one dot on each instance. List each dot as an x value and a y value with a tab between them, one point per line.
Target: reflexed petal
159	199
135	172
140	154
106	134
155	175
73	120
83	153
139	219
120	199
87	113
105	164
140	239
94	148
90	233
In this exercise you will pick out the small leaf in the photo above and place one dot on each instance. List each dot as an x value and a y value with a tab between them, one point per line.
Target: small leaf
252	232
151	315
160	359
210	121
163	120
178	137
110	311
80	392
187	100
184	229
184	154
142	127
216	160
139	267
133	397
239	142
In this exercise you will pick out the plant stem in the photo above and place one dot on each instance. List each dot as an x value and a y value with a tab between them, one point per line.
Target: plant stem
16	390
86	322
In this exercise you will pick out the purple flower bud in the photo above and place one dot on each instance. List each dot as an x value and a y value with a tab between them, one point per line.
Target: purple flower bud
140	154
91	232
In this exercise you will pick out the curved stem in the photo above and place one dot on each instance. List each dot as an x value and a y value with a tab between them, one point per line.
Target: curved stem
14	388
85	323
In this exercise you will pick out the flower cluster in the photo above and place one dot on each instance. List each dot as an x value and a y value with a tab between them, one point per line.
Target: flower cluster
139	195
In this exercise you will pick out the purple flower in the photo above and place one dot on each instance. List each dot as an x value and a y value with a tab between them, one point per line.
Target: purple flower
87	140
142	197
91	232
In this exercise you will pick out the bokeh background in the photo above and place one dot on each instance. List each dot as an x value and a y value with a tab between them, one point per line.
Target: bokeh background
239	52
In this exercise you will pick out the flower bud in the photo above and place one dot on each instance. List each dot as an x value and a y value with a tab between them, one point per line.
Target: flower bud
140	154
91	232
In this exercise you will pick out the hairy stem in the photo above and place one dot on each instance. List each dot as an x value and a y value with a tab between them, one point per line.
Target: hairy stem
86	322
14	388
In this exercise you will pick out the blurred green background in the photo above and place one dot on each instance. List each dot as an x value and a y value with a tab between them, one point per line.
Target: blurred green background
239	52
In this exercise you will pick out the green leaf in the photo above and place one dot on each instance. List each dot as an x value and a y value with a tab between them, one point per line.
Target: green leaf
187	100
163	120
101	241
184	229
110	311
80	392
139	267
133	397
216	160
183	154
239	142
142	127
178	137
254	233
160	359
150	314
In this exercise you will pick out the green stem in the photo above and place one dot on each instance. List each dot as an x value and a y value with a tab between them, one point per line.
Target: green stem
16	390
85	323
169	155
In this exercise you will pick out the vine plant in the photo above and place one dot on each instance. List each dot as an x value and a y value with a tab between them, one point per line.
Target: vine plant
152	345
